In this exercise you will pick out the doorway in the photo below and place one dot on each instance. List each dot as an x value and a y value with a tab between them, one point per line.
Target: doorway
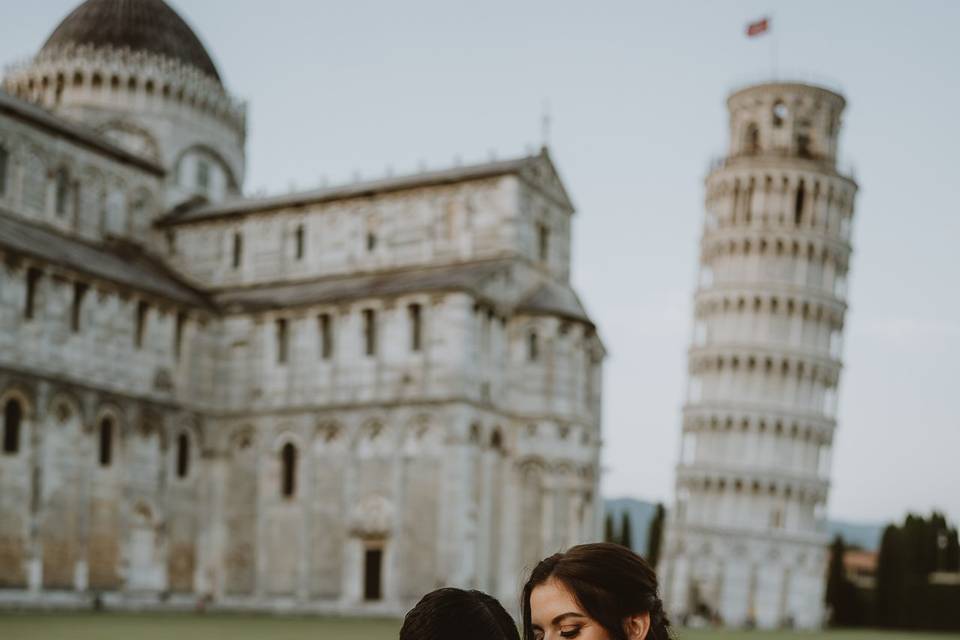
373	574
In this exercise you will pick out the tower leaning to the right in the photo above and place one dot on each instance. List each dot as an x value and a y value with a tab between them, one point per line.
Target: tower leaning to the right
746	541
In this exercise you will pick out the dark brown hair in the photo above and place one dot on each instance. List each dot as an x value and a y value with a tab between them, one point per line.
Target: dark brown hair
610	582
455	614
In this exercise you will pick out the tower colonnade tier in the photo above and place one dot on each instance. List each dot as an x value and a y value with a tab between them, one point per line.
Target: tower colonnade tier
746	543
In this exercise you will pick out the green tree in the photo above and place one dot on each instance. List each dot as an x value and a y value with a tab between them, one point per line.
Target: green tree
891	579
952	552
626	533
655	535
841	597
608	534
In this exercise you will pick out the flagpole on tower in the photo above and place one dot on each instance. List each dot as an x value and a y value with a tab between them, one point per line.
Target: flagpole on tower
761	27
773	47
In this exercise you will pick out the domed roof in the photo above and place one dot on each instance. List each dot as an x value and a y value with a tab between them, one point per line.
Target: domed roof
142	25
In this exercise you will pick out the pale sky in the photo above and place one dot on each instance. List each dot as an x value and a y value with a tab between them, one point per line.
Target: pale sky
636	91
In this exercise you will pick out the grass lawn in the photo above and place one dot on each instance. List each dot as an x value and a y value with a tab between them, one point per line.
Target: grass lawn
117	626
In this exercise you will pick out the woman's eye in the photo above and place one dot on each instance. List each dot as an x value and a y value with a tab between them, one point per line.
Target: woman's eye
570	633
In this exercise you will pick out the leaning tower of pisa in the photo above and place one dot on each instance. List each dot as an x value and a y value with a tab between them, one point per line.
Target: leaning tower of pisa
746	541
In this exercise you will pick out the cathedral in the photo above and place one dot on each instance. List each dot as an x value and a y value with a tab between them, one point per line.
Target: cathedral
326	401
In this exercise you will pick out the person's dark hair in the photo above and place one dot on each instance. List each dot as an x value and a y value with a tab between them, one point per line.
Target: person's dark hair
610	582
448	614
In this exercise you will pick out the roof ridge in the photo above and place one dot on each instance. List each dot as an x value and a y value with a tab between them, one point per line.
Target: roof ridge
351	189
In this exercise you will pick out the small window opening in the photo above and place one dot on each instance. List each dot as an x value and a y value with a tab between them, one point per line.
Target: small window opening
416	327
798	205
298	241
533	346
282	341
33	278
76	309
4	163
237	249
62	192
12	416
803	146
753	139
370	331
141	324
371	241
288	460
543	233
780	113
183	455
326	335
106	442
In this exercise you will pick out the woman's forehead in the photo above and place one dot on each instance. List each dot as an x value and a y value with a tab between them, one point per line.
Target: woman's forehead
550	599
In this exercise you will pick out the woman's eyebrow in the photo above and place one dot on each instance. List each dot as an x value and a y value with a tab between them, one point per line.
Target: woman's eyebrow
563	616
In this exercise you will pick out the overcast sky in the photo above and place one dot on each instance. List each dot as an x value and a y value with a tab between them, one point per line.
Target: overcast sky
636	91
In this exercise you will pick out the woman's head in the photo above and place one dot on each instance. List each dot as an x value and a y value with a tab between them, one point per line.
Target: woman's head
448	614
593	592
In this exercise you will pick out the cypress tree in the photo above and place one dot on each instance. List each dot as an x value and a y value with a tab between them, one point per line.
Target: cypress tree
655	536
626	534
608	535
891	578
838	589
952	553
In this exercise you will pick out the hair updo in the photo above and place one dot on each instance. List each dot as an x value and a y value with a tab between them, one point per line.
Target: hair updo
610	582
455	614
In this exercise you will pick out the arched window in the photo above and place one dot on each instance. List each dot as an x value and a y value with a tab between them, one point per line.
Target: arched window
533	346
63	191
106	442
543	241
779	113
736	199
752	145
12	416
798	205
370	332
298	242
288	462
803	145
237	249
183	455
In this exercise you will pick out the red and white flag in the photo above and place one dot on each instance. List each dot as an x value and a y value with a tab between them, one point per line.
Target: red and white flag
759	27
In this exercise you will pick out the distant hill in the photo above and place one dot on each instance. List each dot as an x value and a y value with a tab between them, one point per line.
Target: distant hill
864	535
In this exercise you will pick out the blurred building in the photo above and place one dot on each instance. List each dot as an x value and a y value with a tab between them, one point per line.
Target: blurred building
746	542
860	568
332	400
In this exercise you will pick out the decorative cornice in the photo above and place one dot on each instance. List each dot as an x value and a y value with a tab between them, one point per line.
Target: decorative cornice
174	79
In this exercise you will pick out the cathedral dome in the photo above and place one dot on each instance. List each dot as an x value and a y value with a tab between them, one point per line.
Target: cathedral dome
150	26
